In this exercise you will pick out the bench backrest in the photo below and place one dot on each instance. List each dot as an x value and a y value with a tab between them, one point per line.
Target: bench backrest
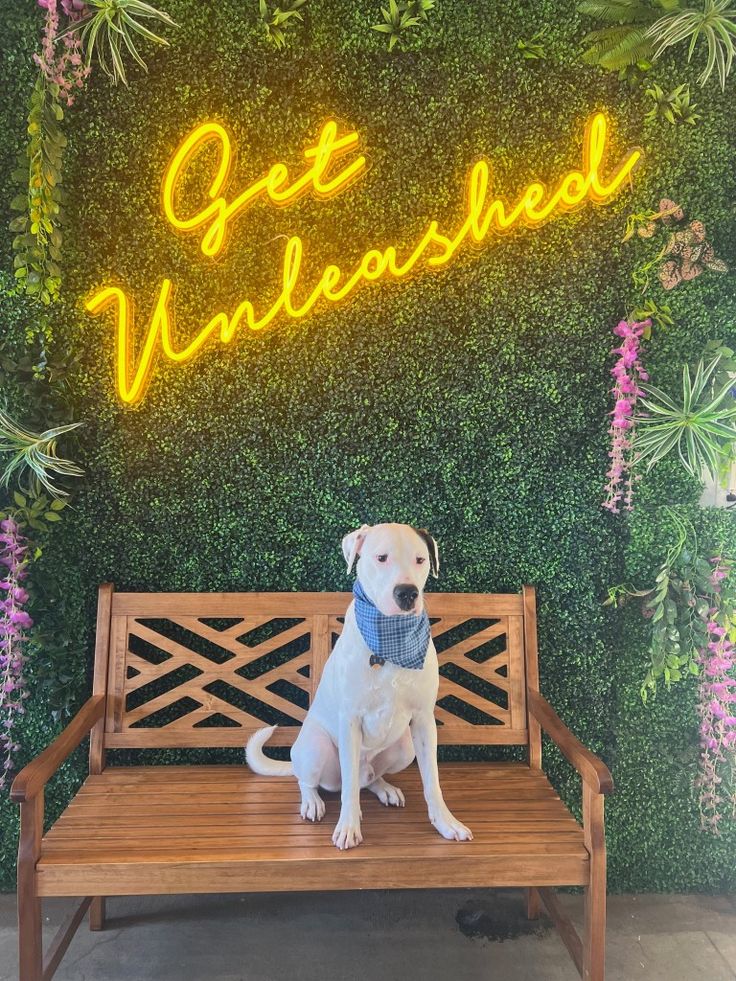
207	669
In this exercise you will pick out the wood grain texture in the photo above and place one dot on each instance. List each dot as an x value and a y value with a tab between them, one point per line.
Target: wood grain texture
201	829
30	959
99	682
169	829
97	913
35	775
300	604
165	689
531	655
594	941
568	933
593	771
532	898
64	935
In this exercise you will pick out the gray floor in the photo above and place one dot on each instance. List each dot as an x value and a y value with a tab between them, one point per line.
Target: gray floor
395	936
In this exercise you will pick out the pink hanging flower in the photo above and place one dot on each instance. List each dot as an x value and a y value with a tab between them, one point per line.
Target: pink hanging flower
14	621
627	373
716	782
61	59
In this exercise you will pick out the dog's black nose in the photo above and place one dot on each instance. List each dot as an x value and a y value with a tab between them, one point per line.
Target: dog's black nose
405	595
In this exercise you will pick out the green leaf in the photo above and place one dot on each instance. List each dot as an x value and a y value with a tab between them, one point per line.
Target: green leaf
19	499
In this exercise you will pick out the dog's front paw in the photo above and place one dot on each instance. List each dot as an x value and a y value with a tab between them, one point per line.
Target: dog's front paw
312	806
387	794
449	827
347	833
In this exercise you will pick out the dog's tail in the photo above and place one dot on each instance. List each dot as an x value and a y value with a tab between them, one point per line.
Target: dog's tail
262	764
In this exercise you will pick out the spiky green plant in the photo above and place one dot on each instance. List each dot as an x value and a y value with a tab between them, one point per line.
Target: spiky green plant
533	49
400	17
699	423
625	40
716	23
111	25
674	106
278	20
34	455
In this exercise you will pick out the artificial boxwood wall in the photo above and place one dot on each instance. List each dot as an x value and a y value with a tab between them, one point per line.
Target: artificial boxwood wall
473	401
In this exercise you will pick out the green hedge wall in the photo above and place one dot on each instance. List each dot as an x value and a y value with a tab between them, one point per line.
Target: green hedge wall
472	401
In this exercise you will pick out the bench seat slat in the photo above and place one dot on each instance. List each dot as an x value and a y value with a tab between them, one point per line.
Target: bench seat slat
206	837
232	795
175	829
236	771
363	872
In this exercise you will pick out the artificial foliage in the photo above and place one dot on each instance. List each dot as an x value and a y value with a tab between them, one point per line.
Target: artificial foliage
473	401
37	240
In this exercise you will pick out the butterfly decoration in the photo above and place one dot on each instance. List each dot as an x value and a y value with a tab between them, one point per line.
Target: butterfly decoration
687	253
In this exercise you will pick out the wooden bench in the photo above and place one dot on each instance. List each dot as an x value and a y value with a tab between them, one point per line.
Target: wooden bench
206	670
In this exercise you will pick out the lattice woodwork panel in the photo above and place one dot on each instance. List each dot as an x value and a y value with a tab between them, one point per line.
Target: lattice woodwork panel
481	695
207	669
189	681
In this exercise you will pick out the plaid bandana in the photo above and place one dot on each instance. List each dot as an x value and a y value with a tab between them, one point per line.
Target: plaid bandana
402	639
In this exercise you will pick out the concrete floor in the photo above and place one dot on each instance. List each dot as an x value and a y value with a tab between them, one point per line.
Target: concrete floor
461	935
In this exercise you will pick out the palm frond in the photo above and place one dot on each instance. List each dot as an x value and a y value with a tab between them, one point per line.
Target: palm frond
34	454
698	423
714	23
618	11
617	47
107	23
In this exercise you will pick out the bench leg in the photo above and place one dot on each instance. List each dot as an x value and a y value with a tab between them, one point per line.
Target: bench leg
30	941
30	950
594	943
532	904
97	913
594	940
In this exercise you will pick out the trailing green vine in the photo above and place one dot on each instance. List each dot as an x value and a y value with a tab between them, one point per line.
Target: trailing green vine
676	605
38	238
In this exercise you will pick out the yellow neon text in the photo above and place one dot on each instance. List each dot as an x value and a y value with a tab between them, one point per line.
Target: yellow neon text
274	185
483	217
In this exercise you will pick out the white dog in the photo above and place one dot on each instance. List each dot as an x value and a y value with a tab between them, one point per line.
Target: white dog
371	715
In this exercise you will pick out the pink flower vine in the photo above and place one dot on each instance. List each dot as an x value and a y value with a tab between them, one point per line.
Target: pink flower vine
61	59
627	372
14	621
717	712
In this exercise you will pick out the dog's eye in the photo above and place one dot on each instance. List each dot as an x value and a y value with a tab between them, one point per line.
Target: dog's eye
382	558
420	560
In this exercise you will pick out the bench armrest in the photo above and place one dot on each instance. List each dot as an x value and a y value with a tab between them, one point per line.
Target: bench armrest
593	771
37	773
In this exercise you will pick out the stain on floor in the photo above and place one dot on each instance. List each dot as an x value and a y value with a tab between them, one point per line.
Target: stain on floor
498	919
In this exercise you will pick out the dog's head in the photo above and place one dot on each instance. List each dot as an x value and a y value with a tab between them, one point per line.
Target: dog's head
392	563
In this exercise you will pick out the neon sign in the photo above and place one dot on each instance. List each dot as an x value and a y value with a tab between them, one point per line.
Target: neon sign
326	175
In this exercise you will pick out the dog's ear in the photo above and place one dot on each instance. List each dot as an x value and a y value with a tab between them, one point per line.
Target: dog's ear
351	545
434	555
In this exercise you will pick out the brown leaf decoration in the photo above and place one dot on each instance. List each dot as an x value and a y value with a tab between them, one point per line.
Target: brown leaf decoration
670	212
669	274
698	230
716	265
690	270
